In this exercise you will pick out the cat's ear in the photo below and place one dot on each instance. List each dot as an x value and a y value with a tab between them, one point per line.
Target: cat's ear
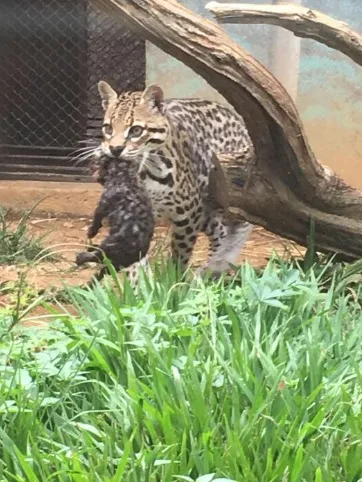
153	96
108	95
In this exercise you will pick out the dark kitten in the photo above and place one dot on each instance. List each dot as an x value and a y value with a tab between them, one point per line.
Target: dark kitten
125	203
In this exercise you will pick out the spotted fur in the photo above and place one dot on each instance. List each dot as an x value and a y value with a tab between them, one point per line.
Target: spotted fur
174	142
126	205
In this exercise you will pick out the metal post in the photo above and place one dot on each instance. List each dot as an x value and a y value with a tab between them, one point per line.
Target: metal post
285	54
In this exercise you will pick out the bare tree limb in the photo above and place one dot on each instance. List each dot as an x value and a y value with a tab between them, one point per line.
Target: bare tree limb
303	22
284	186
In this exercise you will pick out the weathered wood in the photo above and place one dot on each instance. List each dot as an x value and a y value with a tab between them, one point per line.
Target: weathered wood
284	186
302	21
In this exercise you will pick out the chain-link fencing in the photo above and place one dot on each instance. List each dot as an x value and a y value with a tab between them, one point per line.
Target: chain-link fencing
52	55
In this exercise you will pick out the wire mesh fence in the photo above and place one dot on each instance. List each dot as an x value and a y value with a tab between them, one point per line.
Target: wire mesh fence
120	59
52	54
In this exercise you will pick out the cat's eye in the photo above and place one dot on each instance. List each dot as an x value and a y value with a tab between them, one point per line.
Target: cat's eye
135	131
107	130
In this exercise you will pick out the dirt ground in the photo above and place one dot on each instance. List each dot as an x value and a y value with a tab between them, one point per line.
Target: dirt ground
63	216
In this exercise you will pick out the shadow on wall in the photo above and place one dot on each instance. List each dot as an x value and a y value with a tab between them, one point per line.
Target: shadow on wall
329	97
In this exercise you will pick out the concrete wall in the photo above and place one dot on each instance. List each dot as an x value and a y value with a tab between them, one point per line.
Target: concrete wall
330	85
330	96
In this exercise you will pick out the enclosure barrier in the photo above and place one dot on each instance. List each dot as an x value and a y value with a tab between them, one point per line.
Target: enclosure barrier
53	53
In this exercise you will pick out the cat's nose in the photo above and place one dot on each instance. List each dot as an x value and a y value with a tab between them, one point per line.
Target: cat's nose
116	151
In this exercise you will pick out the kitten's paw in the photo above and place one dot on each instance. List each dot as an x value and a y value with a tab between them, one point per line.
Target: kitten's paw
92	232
82	258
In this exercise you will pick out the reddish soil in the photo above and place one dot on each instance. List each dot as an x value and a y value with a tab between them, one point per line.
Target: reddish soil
65	237
64	216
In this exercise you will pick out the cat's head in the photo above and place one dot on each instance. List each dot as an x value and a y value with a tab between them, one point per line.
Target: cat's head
134	123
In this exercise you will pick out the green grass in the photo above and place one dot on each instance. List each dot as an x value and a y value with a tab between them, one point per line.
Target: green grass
253	379
17	245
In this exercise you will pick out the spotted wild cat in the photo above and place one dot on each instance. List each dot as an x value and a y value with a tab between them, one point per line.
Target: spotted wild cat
173	141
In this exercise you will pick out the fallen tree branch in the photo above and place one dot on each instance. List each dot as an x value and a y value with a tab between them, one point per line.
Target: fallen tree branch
293	216
286	185
302	21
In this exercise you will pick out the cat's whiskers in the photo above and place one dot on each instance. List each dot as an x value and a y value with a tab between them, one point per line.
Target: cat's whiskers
84	155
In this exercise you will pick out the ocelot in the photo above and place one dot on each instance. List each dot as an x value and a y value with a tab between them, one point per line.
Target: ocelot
174	141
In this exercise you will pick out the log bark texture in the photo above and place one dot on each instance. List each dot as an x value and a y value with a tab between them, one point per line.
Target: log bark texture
284	186
302	21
